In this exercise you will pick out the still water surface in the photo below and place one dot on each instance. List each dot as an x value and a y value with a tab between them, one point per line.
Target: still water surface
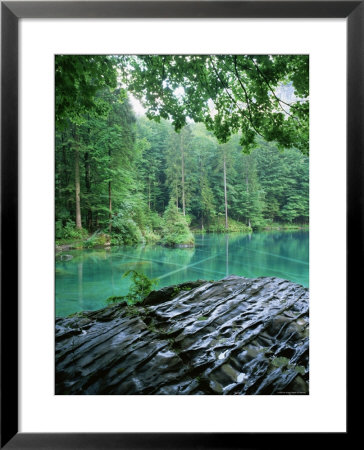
91	276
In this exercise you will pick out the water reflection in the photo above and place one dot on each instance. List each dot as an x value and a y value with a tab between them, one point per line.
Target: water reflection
90	276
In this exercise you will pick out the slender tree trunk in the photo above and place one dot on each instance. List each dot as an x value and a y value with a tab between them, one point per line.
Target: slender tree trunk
247	191
177	193
149	193
88	189
110	198
110	208
77	183
183	175
201	186
225	194
227	254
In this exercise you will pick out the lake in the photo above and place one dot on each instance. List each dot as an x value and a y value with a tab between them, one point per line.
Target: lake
85	281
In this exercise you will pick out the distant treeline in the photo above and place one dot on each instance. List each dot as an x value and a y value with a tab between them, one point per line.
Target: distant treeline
118	174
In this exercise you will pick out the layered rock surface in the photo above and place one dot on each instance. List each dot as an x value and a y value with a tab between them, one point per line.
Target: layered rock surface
234	336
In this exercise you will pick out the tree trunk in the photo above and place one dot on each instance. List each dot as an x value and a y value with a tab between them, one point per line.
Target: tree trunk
110	208
77	183
247	191
225	194
176	193
149	193
183	176
110	199
88	189
227	254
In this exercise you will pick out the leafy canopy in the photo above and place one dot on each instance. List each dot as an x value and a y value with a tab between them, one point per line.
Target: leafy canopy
78	78
257	95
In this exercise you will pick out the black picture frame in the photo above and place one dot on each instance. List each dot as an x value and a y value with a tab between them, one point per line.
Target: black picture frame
11	12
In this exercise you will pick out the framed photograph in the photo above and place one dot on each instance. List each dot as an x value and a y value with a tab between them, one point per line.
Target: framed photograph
181	197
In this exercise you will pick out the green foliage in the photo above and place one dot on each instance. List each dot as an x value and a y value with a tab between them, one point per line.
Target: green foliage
283	362
258	95
300	369
77	80
59	229
284	179
218	226
105	144
176	231
151	237
141	286
285	226
116	299
141	182
69	232
97	240
280	361
125	230
155	221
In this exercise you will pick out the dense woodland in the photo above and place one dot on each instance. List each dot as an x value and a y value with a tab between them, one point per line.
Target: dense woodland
222	153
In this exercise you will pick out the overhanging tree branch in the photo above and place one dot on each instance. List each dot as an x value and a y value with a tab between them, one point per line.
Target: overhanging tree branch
272	91
234	101
246	96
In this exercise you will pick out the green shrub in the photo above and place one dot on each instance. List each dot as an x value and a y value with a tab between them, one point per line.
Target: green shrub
125	231
151	237
155	222
285	226
59	229
116	239
141	286
97	240
69	231
218	226
176	230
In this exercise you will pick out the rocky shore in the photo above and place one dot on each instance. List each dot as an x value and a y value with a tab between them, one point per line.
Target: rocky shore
236	336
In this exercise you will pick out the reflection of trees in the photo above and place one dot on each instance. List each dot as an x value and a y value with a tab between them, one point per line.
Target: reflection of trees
80	283
92	256
93	275
152	260
283	243
227	254
282	254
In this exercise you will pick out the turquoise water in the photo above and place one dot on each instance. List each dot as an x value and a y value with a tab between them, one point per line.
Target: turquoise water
91	276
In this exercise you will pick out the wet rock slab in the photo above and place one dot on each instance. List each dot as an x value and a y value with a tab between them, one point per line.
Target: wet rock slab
235	336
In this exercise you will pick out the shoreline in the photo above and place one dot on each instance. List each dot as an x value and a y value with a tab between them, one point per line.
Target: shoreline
72	245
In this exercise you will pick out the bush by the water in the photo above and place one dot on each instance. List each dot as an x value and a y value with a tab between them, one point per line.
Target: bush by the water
125	231
141	286
218	226
69	232
97	240
286	226
176	230
136	227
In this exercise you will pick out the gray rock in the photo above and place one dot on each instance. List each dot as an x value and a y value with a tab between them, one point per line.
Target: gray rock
236	336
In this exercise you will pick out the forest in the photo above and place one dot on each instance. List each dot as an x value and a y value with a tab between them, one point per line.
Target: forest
222	147
181	224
